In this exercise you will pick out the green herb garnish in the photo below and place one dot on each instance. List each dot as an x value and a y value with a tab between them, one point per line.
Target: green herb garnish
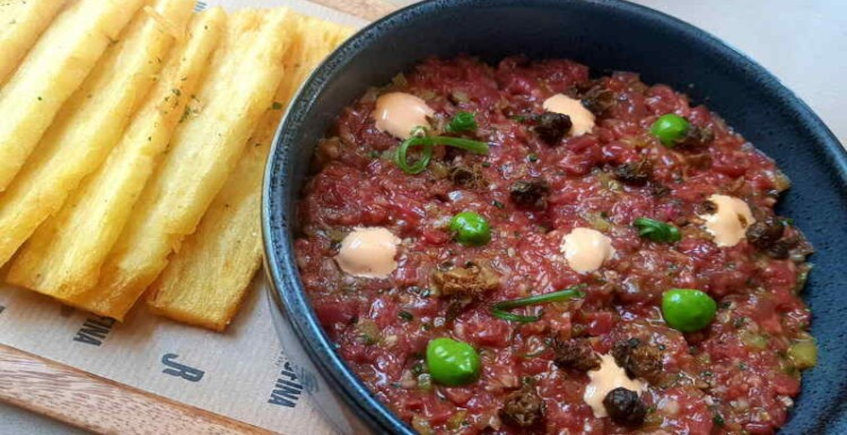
427	142
463	121
499	309
657	231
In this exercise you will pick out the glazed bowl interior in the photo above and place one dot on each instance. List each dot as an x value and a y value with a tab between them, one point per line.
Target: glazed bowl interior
605	35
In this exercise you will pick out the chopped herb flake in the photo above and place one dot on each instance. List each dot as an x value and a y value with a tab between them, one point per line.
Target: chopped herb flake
500	309
463	121
657	231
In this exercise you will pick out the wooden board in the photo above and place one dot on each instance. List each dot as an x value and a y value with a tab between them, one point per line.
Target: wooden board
100	405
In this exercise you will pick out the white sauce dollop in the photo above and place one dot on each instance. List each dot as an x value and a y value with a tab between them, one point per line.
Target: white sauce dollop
581	118
728	225
605	379
368	253
398	113
586	249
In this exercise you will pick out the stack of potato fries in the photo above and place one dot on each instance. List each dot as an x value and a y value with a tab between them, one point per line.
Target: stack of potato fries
133	139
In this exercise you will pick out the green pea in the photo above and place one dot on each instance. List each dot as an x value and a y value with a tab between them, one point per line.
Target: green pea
452	362
688	310
669	128
470	229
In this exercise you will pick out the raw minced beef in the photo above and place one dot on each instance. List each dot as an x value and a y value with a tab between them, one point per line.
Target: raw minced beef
736	375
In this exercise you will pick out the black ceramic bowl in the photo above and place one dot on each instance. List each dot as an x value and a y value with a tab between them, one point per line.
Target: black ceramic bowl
605	35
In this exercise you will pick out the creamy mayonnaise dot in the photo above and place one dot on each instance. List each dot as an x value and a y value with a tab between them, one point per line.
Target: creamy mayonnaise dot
605	379
581	118
586	249
398	113
368	253
728	224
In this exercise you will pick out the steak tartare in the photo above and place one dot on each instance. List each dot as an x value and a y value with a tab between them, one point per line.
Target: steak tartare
524	248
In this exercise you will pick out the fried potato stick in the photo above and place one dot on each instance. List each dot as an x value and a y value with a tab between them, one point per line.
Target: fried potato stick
21	23
89	126
245	72
58	63
64	256
206	280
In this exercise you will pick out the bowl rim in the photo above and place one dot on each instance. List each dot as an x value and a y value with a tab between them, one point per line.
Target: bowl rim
286	287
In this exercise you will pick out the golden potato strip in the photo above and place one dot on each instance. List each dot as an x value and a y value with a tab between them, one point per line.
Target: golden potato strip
88	126
21	22
51	72
64	255
204	283
206	280
205	149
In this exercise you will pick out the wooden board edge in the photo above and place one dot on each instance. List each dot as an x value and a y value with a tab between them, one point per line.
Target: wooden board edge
98	404
368	9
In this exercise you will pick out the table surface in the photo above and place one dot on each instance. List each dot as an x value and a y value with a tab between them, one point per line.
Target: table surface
810	63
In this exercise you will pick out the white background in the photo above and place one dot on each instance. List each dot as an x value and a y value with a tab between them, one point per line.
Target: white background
803	42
